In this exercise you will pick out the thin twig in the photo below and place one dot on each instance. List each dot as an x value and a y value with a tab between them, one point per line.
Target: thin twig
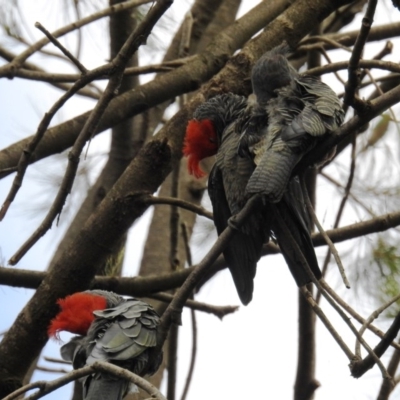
173	335
187	27
325	236
79	31
128	49
174	220
52	370
185	237
56	360
356	199
353	359
218	311
46	387
328	59
193	355
359	367
341	206
372	317
56	43
315	39
10	68
27	153
353	75
305	291
199	210
326	322
353	313
342	65
172	360
37	74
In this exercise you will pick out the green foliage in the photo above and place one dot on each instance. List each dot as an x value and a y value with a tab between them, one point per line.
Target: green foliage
387	257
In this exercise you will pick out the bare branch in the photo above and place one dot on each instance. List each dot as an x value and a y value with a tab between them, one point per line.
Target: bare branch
360	367
128	49
325	236
56	43
199	210
218	311
372	317
8	69
49	387
353	80
341	65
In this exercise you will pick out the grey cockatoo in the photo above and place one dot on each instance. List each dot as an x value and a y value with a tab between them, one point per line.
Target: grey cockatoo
300	110
112	329
216	129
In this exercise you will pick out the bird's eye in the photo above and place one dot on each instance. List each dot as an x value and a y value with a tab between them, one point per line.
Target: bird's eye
212	140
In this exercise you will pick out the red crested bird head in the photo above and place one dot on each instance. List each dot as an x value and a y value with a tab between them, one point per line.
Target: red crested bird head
200	142
76	313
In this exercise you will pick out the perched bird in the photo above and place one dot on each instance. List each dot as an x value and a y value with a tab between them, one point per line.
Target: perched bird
216	128
110	328
212	131
300	110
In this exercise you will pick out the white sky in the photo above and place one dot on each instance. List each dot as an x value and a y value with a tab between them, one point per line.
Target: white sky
251	354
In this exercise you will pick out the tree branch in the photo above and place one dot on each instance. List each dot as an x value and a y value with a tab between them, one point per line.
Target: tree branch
132	44
98	366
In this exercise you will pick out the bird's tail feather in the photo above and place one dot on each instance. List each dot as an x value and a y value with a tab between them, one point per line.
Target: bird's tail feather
241	255
294	216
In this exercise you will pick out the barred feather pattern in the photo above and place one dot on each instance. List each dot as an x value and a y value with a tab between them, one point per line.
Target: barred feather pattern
299	115
122	334
227	189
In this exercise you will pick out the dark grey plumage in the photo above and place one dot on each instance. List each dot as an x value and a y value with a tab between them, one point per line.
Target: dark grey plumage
122	334
293	210
300	110
227	189
226	185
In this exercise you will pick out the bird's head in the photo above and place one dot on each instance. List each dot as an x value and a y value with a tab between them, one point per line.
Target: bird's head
200	142
271	71
76	314
205	131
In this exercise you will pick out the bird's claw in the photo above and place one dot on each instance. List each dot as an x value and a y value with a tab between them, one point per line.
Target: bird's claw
232	223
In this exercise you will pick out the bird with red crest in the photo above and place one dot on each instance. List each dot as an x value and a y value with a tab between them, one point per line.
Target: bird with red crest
112	329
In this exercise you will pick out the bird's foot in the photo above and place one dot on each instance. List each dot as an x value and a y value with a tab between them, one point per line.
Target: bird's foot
232	223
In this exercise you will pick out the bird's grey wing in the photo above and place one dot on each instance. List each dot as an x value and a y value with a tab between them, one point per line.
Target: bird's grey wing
227	185
132	329
326	103
275	161
239	254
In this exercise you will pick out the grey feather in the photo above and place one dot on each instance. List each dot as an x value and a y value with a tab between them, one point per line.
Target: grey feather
301	111
122	334
226	186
